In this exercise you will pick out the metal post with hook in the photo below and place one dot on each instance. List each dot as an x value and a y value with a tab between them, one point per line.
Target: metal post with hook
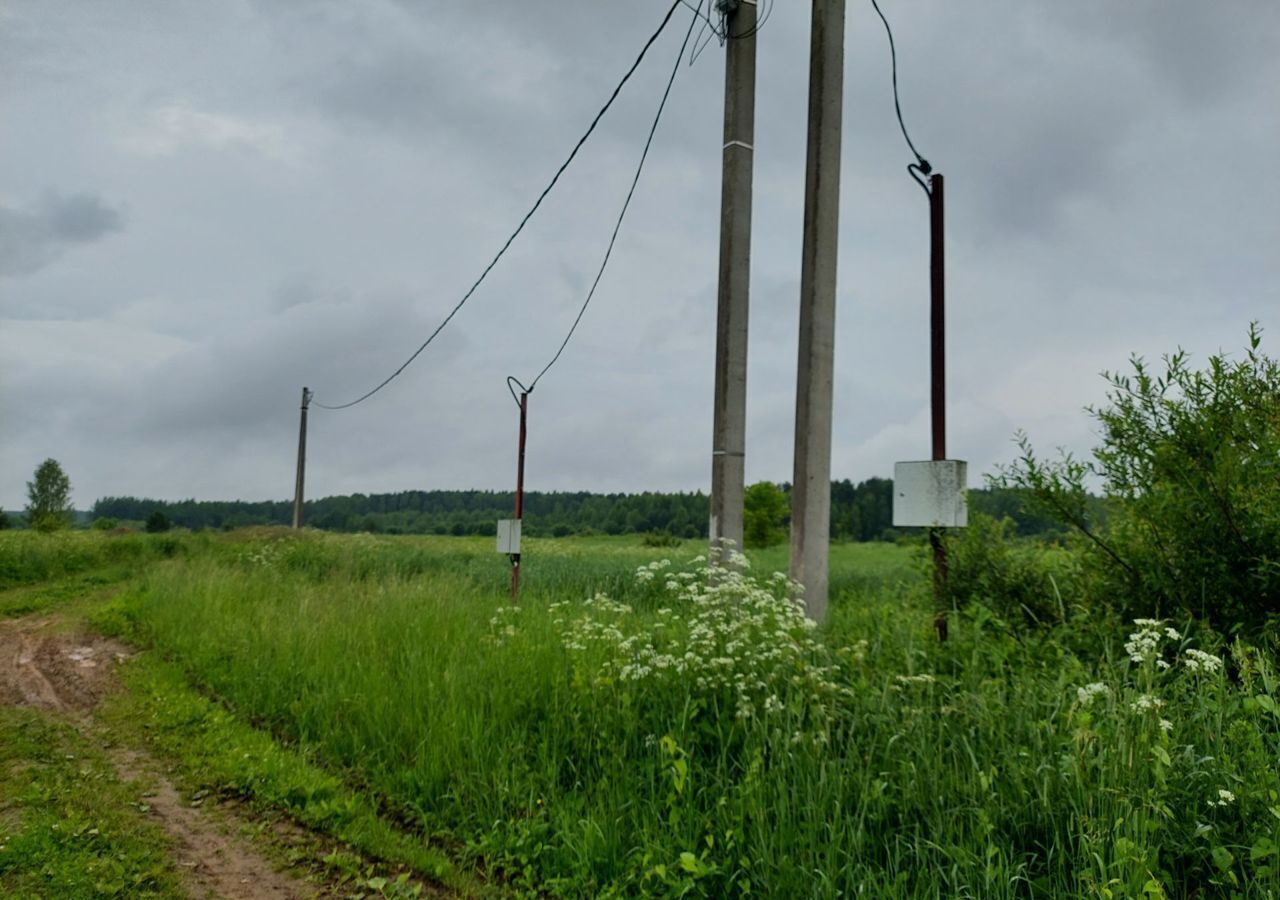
515	555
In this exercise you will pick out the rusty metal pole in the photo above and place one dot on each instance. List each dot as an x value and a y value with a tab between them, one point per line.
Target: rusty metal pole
302	461
938	385
515	557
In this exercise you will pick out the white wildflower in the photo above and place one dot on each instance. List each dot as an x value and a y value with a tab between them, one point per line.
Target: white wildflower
1199	661
1146	702
1086	695
915	679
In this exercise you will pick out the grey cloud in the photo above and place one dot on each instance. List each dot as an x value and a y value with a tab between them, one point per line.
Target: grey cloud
34	238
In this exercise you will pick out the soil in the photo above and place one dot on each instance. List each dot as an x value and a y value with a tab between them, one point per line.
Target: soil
43	665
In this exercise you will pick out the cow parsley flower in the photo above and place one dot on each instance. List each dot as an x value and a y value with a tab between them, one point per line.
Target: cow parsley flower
1199	661
1086	695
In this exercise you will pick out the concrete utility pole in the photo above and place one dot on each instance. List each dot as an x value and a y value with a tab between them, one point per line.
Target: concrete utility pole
302	461
728	444
811	487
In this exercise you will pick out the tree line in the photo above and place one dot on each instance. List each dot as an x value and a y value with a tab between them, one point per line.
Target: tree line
859	512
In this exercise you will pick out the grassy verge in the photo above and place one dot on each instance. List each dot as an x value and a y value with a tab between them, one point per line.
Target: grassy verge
67	592
213	753
29	557
684	738
68	827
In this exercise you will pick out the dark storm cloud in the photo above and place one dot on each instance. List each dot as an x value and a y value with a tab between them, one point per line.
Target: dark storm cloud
31	239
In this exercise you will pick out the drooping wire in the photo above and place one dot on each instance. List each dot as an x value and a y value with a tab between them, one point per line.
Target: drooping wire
644	155
920	167
527	216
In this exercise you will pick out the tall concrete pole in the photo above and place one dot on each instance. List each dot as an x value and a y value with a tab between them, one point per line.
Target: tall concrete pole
302	461
811	487
728	444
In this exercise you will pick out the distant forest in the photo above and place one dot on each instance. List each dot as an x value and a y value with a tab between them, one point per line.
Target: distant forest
859	512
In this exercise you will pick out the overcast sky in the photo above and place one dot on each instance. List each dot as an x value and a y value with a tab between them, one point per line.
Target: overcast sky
206	205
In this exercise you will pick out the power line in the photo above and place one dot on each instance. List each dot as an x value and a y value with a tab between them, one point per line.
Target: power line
921	165
527	216
621	214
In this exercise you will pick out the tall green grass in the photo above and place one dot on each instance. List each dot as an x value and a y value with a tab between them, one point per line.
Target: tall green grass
884	765
30	557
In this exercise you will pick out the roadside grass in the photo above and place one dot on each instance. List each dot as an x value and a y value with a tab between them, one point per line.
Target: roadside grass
214	754
68	827
875	761
66	592
30	557
559	746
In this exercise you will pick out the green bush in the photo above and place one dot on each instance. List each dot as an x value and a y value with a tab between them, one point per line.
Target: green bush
765	511
158	522
1022	580
1190	462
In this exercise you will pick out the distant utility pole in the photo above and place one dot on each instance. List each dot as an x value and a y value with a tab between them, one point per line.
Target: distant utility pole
728	445
302	461
811	487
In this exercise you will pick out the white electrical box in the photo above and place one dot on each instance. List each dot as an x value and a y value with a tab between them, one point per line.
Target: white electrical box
508	535
930	494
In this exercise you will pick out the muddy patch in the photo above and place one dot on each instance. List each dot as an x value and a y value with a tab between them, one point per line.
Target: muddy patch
45	667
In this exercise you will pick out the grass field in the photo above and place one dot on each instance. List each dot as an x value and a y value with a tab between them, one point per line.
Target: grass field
633	729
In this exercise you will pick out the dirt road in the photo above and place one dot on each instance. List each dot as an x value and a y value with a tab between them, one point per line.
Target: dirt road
65	672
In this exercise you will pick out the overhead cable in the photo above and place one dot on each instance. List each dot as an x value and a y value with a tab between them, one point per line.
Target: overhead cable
644	155
527	216
921	165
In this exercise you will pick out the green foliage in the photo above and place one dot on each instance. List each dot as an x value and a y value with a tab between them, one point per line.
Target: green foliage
561	744
1190	460
4	521
27	558
765	513
158	522
68	827
49	498
1024	581
661	539
105	523
214	754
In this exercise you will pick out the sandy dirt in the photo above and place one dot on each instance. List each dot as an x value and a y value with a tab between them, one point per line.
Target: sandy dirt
66	673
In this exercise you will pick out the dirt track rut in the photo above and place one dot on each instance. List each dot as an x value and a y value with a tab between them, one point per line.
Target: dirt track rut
66	672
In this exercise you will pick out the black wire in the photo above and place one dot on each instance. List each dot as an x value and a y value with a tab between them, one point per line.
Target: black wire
512	383
922	163
622	214
763	11
578	146
711	29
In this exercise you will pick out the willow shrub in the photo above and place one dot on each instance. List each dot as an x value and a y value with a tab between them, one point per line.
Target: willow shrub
1190	463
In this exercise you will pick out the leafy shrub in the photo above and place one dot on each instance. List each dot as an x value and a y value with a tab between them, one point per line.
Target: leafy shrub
1022	580
1190	461
158	522
660	539
765	510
